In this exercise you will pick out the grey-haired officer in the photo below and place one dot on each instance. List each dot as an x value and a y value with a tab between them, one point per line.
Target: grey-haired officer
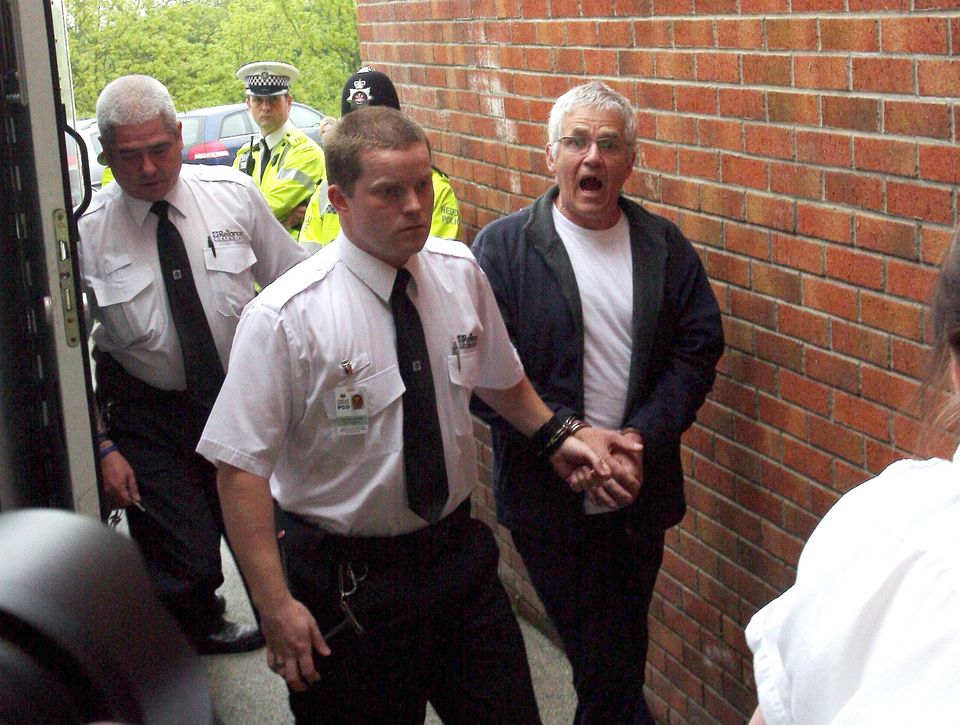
286	164
169	258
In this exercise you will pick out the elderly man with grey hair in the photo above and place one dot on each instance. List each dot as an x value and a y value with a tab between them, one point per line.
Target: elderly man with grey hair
615	321
169	256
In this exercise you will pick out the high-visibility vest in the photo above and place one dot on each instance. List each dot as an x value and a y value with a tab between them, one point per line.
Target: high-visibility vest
295	168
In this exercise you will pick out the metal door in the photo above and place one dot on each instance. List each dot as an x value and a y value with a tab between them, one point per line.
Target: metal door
46	448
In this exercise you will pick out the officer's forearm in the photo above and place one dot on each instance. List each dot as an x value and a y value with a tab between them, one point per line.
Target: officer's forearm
249	519
519	405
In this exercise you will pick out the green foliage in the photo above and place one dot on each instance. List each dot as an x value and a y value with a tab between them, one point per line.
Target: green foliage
195	46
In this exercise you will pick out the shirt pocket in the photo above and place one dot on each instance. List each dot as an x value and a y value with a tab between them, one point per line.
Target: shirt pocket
231	276
462	368
129	299
382	392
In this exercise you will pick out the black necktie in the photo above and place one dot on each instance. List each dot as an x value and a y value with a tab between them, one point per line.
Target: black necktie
201	363
423	461
264	157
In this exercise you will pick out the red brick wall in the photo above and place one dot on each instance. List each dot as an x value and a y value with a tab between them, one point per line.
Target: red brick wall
807	148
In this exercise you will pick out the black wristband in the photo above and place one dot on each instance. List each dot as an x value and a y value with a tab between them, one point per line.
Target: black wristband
555	431
547	431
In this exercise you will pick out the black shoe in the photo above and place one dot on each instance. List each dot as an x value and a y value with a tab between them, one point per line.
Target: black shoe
230	638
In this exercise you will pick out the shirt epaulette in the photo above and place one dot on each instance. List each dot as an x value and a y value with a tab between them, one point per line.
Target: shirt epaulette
204	172
443	175
97	204
295	137
448	247
296	280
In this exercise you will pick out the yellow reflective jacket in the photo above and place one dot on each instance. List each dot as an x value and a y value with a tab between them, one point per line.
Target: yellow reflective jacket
293	172
321	225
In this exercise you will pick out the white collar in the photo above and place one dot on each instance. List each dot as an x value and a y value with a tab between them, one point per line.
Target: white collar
176	197
277	136
374	273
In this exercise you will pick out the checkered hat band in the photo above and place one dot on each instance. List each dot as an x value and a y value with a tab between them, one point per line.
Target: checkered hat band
262	81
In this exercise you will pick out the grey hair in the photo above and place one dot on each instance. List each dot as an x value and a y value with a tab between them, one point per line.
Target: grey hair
592	95
134	99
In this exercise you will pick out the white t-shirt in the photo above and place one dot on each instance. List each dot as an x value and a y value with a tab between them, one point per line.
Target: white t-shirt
603	267
324	334
870	632
232	240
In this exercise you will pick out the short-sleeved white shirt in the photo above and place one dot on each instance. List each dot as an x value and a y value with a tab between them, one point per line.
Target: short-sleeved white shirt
231	238
326	331
870	632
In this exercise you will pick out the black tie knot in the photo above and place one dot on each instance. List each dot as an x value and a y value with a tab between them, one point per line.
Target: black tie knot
400	283
160	208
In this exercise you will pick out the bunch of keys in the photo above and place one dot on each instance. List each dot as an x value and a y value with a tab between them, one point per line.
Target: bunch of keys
116	515
348	580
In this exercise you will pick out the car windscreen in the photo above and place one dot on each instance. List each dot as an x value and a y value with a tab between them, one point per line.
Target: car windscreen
303	117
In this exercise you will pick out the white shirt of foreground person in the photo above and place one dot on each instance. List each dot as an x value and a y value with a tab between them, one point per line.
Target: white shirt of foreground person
231	238
323	335
870	632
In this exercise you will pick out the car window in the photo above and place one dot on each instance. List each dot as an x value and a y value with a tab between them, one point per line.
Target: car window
235	124
192	130
303	117
92	137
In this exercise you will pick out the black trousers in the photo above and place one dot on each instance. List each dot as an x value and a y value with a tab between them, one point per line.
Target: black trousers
180	529
438	627
597	590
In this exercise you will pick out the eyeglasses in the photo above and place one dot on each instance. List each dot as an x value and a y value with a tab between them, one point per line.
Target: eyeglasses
580	145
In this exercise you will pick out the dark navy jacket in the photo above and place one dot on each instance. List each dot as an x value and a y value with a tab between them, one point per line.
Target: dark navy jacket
677	341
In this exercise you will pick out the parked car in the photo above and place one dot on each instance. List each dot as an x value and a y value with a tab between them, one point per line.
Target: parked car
90	135
88	130
214	135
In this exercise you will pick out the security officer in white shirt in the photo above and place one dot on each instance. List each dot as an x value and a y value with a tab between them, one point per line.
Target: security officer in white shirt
324	408
169	257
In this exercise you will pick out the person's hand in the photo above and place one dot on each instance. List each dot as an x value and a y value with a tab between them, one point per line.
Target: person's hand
623	453
606	492
295	217
292	635
574	461
632	458
119	481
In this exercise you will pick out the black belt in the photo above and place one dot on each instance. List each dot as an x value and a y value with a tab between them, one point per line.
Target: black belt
380	549
116	384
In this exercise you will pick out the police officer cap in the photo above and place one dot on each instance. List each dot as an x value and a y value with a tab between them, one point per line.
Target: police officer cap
368	87
267	77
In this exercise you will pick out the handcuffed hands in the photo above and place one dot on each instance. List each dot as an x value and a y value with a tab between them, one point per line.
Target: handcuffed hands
622	451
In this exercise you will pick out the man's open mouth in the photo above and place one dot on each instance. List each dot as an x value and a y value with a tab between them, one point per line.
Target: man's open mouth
591	183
